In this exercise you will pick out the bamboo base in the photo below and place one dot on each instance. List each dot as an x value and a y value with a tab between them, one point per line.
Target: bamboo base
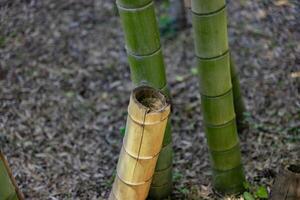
161	192
229	182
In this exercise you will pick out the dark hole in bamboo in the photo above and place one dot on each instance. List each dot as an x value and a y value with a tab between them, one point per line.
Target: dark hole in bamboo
294	168
150	98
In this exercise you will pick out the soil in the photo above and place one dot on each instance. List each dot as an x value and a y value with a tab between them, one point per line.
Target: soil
65	87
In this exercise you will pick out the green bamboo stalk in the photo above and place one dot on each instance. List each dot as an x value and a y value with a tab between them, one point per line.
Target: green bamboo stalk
140	28
8	187
239	105
217	99
147	68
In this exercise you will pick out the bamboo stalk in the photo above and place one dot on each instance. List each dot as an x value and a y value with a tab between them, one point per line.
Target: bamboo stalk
148	113
239	105
145	57
8	185
140	27
218	110
133	4
209	71
148	69
217	101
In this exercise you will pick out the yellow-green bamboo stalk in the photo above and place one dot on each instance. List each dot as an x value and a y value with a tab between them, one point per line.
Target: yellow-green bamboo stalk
213	60
239	105
148	113
8	186
147	68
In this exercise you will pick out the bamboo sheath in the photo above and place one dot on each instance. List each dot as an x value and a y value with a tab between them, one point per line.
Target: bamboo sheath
217	101
8	187
162	191
147	68
148	113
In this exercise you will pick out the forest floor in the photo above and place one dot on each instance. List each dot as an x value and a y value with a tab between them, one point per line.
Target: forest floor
65	86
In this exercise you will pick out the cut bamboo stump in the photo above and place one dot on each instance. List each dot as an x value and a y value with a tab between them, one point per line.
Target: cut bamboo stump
8	186
148	113
287	184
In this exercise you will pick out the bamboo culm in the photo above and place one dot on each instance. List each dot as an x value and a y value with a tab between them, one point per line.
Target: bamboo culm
217	99
8	187
239	105
148	113
147	68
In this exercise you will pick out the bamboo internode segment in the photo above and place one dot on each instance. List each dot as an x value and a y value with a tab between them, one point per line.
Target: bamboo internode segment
210	70
140	27
217	101
148	69
147	65
148	113
8	186
206	47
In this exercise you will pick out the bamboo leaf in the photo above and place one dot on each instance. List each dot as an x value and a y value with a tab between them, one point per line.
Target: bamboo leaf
248	196
122	131
246	185
262	192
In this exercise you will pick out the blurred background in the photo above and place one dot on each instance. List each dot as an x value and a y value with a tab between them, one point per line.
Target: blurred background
65	86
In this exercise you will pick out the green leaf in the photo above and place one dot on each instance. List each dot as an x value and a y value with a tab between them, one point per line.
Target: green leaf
262	193
246	185
179	78
122	131
194	70
177	176
248	196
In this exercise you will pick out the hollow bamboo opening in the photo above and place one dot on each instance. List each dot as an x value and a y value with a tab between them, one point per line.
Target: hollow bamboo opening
150	98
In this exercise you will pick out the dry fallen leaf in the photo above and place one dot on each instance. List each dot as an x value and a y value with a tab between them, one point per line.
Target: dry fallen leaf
295	74
282	3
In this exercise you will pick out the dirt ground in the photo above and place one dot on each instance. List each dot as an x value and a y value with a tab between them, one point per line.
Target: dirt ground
65	86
